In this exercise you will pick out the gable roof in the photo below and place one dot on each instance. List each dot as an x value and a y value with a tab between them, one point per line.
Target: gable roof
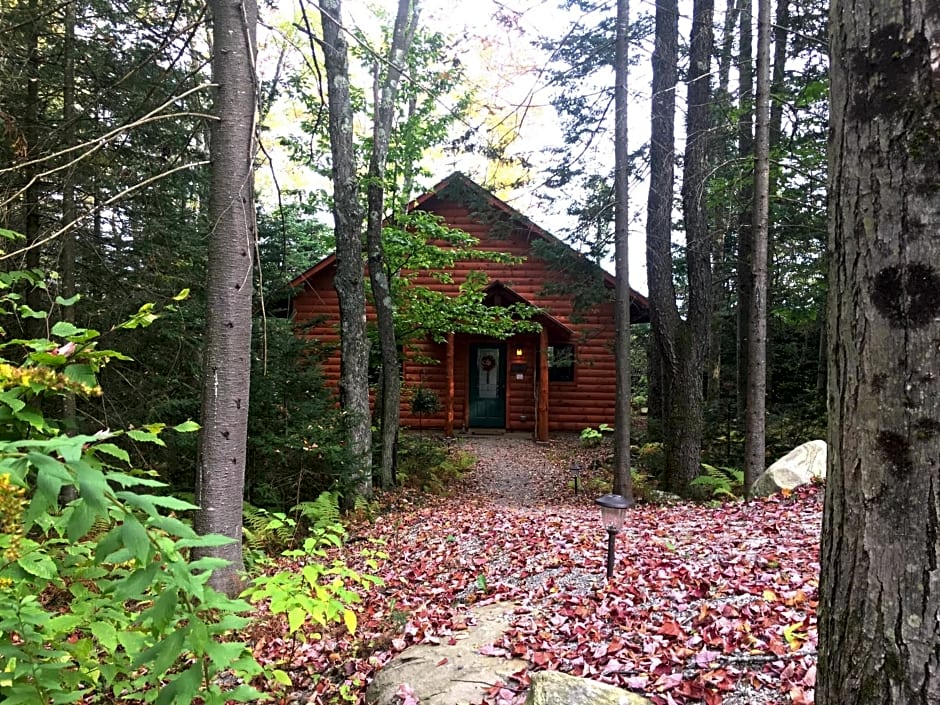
457	181
496	292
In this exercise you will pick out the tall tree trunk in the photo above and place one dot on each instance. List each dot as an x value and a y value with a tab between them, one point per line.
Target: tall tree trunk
699	242
623	482
781	31
347	215
722	215
220	475
664	318
879	609
754	434
386	91
744	285
35	327
732	11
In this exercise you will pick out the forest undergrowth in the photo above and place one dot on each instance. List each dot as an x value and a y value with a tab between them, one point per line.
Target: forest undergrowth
707	601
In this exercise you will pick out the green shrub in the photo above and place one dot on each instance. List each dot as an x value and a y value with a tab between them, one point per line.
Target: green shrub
424	402
98	598
652	459
430	464
592	437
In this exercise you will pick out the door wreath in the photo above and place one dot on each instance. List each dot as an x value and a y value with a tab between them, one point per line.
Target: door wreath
487	363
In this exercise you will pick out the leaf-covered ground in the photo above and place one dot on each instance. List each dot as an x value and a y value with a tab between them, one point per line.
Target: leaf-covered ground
709	604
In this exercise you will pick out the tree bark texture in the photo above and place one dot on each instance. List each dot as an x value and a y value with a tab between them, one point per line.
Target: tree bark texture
385	96
32	196
755	415
680	343
745	154
879	612
623	482
220	477
663	314
350	287
781	33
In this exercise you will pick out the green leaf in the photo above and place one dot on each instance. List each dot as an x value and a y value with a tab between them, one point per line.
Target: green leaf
70	301
33	417
145	436
26	312
65	623
70	697
163	610
223	653
107	545
81	373
349	619
38	564
207	541
183	688
12	400
64	329
208	563
105	633
92	485
296	616
135	538
113	450
281	677
135	585
164	653
168	502
245	694
182	296
172	526
187	427
80	521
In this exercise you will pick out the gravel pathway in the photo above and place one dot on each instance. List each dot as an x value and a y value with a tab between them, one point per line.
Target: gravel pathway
513	470
516	473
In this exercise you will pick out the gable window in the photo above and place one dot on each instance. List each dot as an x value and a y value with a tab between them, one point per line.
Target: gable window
561	363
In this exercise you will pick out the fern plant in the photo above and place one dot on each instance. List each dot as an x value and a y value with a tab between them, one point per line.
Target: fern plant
320	513
720	481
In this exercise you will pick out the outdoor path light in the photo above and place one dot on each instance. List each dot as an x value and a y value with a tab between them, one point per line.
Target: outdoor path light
613	512
576	473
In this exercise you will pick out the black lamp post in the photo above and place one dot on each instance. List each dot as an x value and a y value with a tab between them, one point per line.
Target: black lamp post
576	473
613	512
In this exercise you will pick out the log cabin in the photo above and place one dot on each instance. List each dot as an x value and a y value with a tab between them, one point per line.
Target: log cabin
558	378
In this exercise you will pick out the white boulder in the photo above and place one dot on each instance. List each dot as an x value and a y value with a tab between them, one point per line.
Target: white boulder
800	466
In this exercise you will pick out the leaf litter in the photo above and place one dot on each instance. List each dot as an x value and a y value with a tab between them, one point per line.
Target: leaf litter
708	604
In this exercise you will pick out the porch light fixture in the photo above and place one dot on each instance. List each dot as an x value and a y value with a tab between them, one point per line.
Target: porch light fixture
575	470
518	352
613	512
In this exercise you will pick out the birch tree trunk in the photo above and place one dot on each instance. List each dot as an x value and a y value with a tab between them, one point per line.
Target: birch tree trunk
879	611
350	272
220	475
623	482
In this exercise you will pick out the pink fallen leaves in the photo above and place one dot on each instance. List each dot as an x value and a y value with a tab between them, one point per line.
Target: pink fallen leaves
702	598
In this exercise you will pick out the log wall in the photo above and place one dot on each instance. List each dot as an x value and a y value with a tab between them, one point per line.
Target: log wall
588	400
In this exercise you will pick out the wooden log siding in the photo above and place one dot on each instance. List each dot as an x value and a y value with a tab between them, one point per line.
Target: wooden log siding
588	400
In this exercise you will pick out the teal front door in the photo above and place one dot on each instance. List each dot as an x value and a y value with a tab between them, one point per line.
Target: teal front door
487	362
